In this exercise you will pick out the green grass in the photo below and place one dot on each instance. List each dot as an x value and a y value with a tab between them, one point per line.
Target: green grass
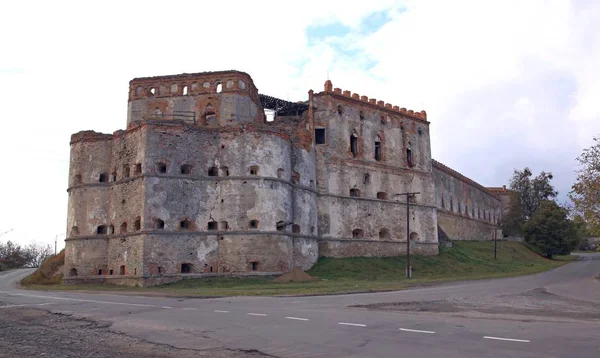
464	261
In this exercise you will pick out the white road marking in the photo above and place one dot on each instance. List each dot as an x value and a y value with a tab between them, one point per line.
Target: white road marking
167	307
219	311
415	330
256	314
82	300
352	324
298	318
507	339
190	309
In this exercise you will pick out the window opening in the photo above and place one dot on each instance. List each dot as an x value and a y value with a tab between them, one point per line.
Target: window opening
159	224
213	172
384	234
253	224
122	270
319	135
409	158
186	268
254	170
296	229
378	148
357	233
382	195
254	265
123	228
161	167
138	224
186	169
354	144
355	192
103	178
213	225
101	230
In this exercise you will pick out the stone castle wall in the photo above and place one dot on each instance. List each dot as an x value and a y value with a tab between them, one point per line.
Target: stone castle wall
466	210
201	184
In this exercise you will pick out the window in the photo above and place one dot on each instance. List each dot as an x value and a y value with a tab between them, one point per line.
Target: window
73	272
159	224
103	178
138	224
152	91
185	90
78	179
451	204
186	268
186	169
254	170
224	171
219	88
101	230
409	158
123	228
361	115
100	272
213	172
74	230
126	171
280	226
280	173
223	225
254	265
296	229
367	179
110	272
253	224
378	148
355	192
339	109
295	177
414	236
384	234
122	270
443	205
138	169
357	233
382	195
354	144
161	167
213	225
113	176
185	224
319	135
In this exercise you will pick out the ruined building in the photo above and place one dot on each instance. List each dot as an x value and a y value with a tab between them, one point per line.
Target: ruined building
200	182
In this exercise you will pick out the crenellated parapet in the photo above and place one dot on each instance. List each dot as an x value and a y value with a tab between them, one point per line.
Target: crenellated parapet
90	136
329	89
190	84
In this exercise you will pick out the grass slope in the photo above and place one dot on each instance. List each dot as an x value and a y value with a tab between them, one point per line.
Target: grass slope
464	261
47	274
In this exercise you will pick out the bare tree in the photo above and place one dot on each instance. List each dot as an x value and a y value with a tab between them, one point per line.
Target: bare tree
36	254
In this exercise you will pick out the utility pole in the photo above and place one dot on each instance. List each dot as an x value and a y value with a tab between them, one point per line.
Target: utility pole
408	196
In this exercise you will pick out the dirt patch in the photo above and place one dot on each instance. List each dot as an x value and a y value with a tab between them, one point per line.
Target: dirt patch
296	275
27	332
534	304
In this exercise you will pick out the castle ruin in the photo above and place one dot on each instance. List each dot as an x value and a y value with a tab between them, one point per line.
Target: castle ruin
200	183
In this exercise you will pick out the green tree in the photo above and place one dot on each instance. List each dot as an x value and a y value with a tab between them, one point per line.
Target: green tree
550	231
585	192
528	193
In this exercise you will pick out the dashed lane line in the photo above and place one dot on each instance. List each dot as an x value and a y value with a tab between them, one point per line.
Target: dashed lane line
507	339
220	311
166	307
298	318
189	309
415	330
257	314
352	324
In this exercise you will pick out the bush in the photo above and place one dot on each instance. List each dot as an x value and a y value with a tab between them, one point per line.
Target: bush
46	274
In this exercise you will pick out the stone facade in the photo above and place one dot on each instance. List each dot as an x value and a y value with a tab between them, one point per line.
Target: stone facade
201	184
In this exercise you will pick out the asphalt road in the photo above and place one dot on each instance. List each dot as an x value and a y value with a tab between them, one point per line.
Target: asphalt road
552	314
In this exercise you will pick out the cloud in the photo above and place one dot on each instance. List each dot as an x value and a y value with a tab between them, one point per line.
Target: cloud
505	83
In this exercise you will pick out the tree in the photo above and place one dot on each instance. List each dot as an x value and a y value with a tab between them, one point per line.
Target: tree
528	194
585	192
36	254
12	255
550	231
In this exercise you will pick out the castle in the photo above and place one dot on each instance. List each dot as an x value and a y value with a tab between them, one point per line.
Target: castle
201	183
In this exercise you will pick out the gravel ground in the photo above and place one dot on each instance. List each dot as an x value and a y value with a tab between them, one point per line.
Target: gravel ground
28	332
536	304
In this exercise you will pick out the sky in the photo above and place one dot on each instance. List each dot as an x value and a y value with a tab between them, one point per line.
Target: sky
506	84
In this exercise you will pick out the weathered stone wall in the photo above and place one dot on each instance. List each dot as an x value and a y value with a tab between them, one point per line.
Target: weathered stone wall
359	213
466	210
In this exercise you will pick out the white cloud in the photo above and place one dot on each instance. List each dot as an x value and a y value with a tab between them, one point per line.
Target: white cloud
505	83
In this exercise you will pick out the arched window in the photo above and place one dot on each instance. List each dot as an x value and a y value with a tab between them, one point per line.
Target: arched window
384	234
254	170
354	143
138	169
443	205
101	230
296	229
355	193
414	236
186	268
357	233
161	167
253	224
185	90
122	270
223	225
103	178
186	169
382	195
409	157
185	224
378	148
123	228
280	173
224	171
73	272
74	230
126	171
137	224
159	224
212	225
213	172
219	87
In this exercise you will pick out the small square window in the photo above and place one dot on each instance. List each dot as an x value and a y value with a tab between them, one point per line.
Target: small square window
320	136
